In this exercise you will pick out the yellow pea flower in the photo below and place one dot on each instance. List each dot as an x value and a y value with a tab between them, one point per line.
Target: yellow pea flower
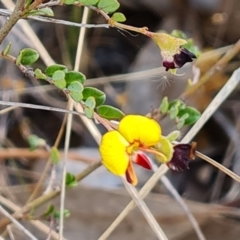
120	148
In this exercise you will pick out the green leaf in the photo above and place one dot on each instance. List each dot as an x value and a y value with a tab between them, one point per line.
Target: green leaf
72	76
42	12
34	142
39	74
66	213
110	112
58	78
193	113
164	105
99	96
27	56
71	180
90	102
54	155
118	17
76	96
108	6
49	211
178	103
88	112
173	112
53	68
181	120
172	136
88	2
75	89
7	49
75	86
68	2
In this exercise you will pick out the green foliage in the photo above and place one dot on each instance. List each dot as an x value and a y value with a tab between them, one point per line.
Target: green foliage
172	136
55	213
118	17
72	76
110	112
88	2
88	112
49	211
39	74
42	12
68	2
90	102
66	213
99	96
58	79
177	110
27	56
190	46
7	49
108	6
192	115
71	180
35	142
54	155
53	68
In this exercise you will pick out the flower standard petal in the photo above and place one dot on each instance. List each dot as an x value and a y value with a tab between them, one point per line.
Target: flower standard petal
113	152
139	129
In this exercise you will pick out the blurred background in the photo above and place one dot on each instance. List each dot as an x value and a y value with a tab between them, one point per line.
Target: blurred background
111	61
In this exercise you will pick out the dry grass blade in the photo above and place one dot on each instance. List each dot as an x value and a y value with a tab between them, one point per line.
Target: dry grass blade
144	209
16	223
181	202
219	166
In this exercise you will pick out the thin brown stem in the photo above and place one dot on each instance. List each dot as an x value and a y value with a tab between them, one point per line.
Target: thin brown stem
16	15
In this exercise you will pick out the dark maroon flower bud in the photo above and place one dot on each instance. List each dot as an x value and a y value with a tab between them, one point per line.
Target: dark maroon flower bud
178	59
183	57
182	154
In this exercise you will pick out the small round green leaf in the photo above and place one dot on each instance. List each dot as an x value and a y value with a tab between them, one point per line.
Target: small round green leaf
110	112
108	6
88	112
76	96
193	115
58	78
164	105
90	102
71	180
173	112
74	76
53	68
75	86
69	2
88	2
42	12
118	17
54	155
27	56
99	96
66	213
39	74
34	142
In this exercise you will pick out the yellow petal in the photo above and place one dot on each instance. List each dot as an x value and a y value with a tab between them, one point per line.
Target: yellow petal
137	128
113	152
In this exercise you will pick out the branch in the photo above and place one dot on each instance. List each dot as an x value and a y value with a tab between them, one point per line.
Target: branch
16	15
